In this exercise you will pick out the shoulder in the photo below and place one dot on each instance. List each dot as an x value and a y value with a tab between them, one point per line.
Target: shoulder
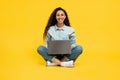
51	29
69	28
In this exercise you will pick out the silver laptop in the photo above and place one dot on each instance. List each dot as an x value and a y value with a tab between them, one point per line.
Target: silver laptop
59	47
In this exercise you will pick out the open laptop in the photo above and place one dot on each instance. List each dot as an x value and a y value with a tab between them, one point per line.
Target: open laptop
59	47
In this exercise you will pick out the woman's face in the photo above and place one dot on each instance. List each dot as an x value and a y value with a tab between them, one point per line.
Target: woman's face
60	17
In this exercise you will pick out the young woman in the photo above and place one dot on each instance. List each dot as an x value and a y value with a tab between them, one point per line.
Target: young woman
58	28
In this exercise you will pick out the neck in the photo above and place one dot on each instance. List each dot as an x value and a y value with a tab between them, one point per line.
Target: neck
60	25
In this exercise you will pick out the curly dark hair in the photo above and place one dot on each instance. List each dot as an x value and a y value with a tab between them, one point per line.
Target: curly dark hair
52	20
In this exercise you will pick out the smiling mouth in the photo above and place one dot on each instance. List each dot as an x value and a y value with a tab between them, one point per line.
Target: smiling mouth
60	19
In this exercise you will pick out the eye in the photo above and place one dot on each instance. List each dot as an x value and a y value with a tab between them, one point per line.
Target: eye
62	14
57	15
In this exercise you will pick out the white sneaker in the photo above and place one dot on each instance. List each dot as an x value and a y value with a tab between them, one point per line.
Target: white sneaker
67	64
50	63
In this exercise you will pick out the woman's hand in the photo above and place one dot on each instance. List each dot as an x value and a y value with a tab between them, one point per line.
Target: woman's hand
71	47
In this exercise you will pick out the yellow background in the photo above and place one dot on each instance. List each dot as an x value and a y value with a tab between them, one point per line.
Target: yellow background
97	26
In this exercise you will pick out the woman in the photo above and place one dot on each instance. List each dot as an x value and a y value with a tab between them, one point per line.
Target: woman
58	28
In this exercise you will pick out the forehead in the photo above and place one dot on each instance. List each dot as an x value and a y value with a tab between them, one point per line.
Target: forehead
60	12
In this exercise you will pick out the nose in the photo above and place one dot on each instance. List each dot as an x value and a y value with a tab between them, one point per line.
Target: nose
60	16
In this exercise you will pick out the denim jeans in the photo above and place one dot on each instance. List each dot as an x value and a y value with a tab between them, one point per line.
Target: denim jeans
75	52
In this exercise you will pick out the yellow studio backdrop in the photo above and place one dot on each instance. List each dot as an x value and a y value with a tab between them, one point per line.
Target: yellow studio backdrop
97	27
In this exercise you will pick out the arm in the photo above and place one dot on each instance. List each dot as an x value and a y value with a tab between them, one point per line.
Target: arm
48	37
72	39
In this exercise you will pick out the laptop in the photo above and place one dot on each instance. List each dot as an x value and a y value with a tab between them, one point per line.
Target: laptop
59	47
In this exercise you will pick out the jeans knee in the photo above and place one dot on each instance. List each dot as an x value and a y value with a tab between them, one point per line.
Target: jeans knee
79	49
40	49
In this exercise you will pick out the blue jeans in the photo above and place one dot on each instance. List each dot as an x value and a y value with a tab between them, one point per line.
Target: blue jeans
75	52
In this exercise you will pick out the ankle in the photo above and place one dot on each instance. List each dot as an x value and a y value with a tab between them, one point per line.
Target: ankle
56	61
64	59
